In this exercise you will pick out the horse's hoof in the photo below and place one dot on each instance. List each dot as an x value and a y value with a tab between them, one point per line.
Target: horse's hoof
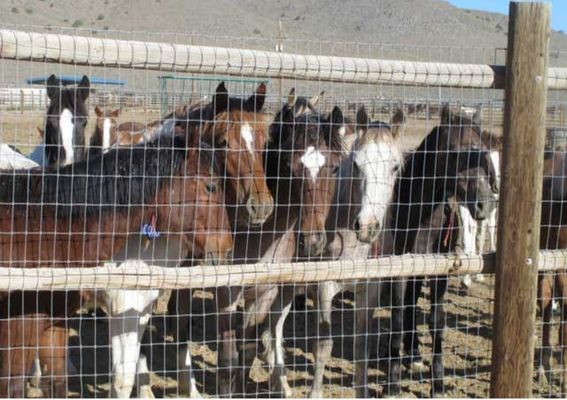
542	378
416	367
34	392
145	392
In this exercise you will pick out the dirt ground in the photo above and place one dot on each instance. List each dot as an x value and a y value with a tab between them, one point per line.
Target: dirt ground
467	350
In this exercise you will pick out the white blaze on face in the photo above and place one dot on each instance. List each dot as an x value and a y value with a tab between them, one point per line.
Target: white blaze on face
379	164
469	230
313	161
342	131
67	128
106	133
495	158
247	135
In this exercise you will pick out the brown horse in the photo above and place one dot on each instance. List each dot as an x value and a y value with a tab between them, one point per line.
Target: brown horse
109	133
84	214
554	236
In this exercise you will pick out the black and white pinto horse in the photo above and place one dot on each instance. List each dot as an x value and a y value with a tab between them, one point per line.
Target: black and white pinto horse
451	167
65	122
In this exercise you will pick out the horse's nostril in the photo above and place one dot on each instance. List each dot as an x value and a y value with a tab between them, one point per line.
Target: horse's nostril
357	225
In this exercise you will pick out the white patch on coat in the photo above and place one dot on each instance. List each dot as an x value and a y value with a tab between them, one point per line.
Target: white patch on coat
342	130
469	228
313	161
495	158
248	137
106	125
67	127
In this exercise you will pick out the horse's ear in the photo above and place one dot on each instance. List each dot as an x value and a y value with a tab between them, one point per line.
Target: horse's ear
115	113
52	87
98	111
477	117
255	103
84	88
362	119
315	99
337	116
220	99
445	117
397	122
291	98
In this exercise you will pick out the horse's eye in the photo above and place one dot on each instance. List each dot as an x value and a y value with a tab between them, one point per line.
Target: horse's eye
211	187
221	143
396	168
335	169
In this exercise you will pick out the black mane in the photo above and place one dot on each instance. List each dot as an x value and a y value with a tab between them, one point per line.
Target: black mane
122	177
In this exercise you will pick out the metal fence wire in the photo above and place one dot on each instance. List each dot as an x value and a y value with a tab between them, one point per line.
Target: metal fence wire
314	222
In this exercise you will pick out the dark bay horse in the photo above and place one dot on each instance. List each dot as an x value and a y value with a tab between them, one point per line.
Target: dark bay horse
302	160
553	285
89	212
65	122
451	166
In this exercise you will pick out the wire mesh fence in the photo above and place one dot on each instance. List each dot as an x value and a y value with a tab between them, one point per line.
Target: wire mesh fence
316	224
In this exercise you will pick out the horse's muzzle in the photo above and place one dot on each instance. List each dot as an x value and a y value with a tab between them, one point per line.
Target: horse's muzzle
313	244
366	233
259	210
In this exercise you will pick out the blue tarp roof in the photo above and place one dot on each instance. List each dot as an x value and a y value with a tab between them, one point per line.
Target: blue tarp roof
72	80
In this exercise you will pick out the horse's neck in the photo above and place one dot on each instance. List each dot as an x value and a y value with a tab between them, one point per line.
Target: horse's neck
415	209
42	225
273	241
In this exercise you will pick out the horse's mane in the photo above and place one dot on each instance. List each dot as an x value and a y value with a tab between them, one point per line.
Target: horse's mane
121	177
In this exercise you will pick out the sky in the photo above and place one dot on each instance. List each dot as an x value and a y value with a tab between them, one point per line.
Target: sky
558	9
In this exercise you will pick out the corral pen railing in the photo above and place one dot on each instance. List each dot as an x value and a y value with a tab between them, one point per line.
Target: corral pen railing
109	53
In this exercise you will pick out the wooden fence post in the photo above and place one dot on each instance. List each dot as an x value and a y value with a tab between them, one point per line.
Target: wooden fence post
520	200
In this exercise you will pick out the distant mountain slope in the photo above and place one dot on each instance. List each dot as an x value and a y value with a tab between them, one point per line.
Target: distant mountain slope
416	28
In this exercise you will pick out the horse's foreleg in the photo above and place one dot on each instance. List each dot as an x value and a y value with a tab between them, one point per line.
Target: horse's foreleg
436	329
545	300
562	290
367	297
179	309
413	360
130	313
227	302
53	361
18	349
256	311
397	325
272	339
323	348
143	387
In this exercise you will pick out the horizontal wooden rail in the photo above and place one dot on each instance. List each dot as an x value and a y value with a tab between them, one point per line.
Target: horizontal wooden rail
80	50
138	275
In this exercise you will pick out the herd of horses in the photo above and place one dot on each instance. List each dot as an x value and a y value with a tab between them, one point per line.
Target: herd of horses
222	182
